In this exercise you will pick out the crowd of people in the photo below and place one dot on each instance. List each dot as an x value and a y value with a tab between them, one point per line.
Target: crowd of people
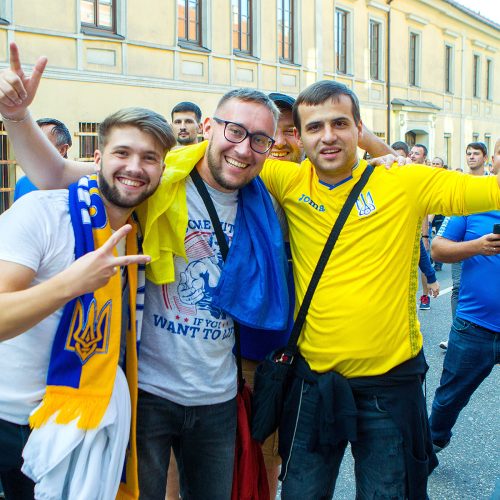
118	310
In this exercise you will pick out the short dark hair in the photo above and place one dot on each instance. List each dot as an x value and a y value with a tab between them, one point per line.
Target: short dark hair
186	106
321	91
60	131
250	95
401	145
145	120
423	147
478	145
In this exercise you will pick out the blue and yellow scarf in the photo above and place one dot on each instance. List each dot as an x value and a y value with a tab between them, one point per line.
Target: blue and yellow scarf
86	348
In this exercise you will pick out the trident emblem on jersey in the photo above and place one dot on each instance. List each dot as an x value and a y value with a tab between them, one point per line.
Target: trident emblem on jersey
365	204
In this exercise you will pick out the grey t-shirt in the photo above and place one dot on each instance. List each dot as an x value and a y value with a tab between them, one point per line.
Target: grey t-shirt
186	346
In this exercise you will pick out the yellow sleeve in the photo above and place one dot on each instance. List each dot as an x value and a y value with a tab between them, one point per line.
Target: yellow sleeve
278	176
438	191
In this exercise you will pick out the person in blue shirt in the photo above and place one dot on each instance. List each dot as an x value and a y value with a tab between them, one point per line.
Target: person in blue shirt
475	332
58	134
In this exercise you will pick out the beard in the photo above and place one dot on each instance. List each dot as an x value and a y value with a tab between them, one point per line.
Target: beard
186	141
216	171
113	195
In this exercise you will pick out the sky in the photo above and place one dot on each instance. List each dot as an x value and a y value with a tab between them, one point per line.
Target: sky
487	8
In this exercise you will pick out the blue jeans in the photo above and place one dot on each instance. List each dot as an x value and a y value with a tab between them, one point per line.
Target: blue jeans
15	484
472	353
203	438
378	454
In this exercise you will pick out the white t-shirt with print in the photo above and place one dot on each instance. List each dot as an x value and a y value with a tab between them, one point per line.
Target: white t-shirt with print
35	232
186	346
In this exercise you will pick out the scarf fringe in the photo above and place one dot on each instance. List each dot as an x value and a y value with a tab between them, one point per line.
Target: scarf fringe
69	405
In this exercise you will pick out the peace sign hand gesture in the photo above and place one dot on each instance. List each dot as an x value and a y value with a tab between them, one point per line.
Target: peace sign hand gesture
95	269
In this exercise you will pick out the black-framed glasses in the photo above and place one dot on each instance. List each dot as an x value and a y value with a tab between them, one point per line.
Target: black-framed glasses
236	133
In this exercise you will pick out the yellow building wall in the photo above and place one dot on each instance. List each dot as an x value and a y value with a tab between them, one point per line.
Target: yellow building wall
89	76
55	15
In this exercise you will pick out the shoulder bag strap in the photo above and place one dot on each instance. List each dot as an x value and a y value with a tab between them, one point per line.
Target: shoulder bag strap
291	347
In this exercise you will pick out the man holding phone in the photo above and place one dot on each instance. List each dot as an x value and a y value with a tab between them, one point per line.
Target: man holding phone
475	331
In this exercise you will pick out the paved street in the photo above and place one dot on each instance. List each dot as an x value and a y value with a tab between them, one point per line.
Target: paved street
469	467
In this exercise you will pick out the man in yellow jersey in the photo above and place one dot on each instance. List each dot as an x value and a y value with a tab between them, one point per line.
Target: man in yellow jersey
361	367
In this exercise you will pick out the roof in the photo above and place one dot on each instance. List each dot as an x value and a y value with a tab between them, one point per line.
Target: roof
414	104
474	14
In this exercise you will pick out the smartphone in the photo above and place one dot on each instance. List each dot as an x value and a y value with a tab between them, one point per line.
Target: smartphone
496	228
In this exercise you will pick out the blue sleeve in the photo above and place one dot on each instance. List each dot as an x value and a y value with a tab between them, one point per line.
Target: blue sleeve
23	186
425	265
454	228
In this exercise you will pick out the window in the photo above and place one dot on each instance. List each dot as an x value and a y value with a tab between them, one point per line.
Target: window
489	79
341	24
99	14
189	21
414	59
487	141
476	75
242	26
448	69
87	134
447	149
7	172
375	50
5	11
286	30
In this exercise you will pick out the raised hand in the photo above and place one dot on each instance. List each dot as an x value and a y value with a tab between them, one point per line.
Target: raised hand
17	90
94	270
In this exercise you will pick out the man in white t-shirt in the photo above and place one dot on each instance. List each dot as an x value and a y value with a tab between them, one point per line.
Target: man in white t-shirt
40	274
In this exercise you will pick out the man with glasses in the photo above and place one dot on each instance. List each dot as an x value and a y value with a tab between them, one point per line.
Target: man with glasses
187	372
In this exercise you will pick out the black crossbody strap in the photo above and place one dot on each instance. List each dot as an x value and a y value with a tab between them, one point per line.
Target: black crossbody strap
291	348
224	250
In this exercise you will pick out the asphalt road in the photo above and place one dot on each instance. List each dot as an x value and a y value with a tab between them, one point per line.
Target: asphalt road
469	468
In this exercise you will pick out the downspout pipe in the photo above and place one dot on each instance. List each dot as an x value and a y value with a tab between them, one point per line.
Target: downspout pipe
388	76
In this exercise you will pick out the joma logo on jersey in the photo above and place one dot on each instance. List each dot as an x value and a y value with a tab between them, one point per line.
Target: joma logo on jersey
365	204
89	335
307	199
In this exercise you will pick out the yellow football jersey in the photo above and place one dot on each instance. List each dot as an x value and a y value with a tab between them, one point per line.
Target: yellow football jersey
363	320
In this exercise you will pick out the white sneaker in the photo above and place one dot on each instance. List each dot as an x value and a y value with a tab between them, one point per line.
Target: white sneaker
444	345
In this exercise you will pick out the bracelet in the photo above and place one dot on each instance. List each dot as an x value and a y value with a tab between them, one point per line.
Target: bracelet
425	236
4	118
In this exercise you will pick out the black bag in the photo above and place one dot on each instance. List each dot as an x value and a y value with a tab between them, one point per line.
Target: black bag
272	375
269	386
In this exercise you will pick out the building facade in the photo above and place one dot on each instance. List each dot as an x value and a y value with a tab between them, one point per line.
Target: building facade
424	70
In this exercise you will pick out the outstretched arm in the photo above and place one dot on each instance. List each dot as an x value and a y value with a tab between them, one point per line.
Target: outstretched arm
445	250
33	151
22	306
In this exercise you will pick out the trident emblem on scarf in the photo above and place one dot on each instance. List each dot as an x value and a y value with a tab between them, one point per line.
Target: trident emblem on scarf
88	334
